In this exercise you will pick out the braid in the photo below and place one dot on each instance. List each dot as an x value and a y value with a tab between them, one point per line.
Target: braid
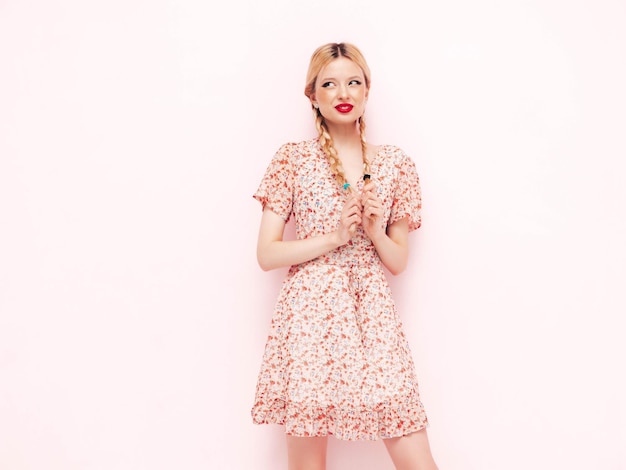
366	163
320	58
327	144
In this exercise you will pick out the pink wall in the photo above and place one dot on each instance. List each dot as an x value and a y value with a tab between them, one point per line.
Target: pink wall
132	312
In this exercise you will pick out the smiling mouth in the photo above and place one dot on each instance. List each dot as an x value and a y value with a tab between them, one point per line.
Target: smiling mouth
344	108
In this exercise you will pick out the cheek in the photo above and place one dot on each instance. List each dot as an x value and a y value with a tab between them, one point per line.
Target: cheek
360	95
323	94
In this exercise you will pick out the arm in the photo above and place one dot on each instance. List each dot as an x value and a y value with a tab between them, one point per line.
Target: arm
274	252
391	244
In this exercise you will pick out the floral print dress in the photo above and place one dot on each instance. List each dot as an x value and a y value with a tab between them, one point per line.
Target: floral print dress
336	361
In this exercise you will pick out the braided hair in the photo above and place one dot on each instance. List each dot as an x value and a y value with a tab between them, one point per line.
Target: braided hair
320	58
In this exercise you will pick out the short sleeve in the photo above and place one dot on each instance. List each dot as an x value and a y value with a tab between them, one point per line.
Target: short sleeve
275	191
407	200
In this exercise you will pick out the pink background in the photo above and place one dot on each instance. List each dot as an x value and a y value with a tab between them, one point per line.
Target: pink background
132	311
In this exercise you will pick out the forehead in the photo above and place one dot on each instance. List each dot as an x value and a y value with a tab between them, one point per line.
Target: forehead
340	67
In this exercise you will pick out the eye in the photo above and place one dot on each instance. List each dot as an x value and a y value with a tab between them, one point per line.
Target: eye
327	84
354	82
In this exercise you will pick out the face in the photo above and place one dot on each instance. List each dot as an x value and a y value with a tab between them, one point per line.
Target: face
340	92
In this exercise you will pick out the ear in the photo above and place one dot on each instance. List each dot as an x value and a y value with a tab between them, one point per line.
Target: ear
313	102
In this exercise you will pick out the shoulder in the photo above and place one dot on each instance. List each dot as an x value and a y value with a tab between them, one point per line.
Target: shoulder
393	155
301	148
298	153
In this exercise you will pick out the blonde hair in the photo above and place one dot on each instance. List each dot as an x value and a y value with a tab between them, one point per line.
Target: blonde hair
322	56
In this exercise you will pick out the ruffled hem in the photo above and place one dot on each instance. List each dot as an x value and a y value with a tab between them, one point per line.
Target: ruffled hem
351	424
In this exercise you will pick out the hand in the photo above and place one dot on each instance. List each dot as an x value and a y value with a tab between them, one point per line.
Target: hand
350	219
372	211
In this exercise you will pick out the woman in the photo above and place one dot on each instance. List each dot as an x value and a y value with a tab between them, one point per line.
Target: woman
336	360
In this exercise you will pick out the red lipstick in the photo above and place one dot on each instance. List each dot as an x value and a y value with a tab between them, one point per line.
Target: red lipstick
344	108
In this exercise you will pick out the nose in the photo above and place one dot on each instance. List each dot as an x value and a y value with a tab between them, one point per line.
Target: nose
343	91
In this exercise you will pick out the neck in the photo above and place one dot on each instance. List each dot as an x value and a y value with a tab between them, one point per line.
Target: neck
345	135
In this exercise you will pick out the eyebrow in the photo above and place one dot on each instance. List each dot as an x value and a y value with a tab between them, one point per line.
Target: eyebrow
360	77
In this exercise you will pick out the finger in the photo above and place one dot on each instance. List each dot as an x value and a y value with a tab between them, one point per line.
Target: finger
371	201
369	184
353	202
373	211
354	225
372	204
353	211
352	219
369	196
